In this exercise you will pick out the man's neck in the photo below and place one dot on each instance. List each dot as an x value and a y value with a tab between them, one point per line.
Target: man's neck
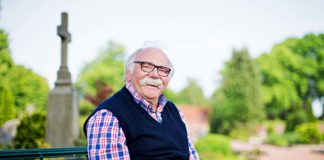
154	103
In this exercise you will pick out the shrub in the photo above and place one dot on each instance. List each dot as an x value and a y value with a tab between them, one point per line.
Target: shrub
242	131
277	139
214	146
274	126
86	108
82	140
214	143
294	119
7	108
270	130
292	138
288	138
31	131
309	133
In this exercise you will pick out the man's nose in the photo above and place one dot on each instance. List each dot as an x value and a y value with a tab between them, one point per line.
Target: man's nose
154	73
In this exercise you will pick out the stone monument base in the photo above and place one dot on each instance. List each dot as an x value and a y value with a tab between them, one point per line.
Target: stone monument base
62	117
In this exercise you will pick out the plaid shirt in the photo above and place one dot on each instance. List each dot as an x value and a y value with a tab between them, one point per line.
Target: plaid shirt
106	139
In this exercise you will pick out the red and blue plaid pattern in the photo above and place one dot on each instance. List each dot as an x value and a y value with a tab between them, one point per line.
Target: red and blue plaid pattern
106	139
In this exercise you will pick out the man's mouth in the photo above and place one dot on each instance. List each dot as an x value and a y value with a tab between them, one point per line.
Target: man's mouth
153	85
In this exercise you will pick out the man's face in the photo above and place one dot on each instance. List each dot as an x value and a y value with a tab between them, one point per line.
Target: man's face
146	83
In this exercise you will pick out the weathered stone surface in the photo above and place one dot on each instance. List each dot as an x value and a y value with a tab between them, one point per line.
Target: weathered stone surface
62	119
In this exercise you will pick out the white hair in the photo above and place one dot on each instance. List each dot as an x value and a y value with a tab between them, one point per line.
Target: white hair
148	45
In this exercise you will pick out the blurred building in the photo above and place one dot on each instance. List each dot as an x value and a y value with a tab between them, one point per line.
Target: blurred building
197	120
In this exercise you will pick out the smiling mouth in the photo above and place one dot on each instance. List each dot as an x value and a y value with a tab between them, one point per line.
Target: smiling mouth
152	85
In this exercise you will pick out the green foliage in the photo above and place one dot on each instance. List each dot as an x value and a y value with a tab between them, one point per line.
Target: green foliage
292	138
31	131
3	40
309	133
108	67
192	94
306	133
309	111
171	95
7	108
276	139
295	118
242	132
274	126
292	74
238	100
82	140
28	88
5	59
279	93
270	130
86	108
286	139
214	146
214	143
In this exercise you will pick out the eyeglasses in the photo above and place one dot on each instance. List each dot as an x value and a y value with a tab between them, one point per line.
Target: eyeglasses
149	67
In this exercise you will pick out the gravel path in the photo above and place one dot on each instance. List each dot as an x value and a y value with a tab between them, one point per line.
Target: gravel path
299	152
269	152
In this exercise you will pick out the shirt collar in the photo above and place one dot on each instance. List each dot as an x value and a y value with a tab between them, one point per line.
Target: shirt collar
142	102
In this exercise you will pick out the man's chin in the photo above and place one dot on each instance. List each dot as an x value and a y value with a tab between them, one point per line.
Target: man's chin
152	94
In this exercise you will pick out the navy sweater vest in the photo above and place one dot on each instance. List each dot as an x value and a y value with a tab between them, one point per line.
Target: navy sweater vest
147	139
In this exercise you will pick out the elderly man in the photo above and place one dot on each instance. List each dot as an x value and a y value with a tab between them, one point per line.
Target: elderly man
138	122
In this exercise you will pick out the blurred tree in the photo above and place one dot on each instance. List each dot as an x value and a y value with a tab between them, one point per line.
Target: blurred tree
108	67
7	108
278	91
171	95
295	118
238	101
5	59
192	94
26	86
293	74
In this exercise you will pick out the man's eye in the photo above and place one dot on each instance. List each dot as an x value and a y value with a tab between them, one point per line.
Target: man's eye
164	69
147	66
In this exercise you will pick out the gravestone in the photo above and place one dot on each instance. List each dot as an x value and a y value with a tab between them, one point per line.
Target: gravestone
62	127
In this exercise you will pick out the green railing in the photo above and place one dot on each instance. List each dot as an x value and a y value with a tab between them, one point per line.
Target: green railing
41	153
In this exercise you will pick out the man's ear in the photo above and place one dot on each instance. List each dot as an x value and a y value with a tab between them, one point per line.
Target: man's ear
128	75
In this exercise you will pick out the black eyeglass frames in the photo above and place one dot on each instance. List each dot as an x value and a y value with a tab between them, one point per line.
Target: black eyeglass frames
149	67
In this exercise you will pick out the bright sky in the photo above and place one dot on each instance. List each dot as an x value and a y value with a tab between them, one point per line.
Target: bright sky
199	35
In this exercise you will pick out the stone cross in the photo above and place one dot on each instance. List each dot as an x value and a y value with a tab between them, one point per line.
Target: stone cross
65	36
64	76
62	129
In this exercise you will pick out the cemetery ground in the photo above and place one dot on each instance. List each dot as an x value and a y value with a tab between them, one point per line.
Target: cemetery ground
254	150
271	152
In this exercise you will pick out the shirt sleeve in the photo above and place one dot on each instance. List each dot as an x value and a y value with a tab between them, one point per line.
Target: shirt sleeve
105	139
192	150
